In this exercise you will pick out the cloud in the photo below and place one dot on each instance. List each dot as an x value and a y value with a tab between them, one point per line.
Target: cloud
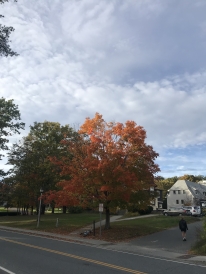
129	60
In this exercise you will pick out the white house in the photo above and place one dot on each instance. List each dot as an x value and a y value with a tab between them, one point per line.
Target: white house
203	182
185	193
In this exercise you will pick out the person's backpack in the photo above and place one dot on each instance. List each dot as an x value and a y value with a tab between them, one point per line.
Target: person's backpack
183	224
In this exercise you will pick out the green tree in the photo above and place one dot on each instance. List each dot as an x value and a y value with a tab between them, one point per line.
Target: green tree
32	168
192	178
9	123
5	32
165	183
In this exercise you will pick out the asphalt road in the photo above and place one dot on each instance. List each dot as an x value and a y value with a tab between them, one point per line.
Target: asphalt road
171	239
26	254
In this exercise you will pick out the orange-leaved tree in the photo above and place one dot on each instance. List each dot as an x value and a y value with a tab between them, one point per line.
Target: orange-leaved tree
110	161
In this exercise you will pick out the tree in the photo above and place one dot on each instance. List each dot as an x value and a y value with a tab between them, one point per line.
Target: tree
32	168
192	178
9	125
165	183
110	161
5	33
8	113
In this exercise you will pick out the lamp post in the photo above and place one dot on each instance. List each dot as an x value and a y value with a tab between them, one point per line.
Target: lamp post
39	212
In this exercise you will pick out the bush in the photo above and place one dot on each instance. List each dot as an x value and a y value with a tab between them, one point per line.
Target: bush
75	209
132	208
199	247
9	213
148	210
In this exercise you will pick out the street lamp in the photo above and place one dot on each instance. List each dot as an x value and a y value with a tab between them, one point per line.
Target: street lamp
39	212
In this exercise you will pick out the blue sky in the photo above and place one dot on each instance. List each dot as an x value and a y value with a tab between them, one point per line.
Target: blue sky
142	60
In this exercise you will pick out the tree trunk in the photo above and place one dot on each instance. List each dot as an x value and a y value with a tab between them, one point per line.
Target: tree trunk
64	209
107	221
43	207
52	209
27	209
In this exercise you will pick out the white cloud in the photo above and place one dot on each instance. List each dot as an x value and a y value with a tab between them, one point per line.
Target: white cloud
129	60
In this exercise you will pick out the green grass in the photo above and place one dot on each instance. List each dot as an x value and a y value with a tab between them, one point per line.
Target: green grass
200	246
153	224
128	229
2	209
130	215
120	231
67	222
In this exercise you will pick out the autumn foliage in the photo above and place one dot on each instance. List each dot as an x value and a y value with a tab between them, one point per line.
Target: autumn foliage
107	163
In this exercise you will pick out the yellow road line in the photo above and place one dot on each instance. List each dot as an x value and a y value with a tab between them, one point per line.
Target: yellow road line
74	256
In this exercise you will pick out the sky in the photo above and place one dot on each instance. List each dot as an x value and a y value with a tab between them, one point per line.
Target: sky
142	60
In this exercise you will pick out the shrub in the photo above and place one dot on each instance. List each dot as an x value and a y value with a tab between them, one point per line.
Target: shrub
75	209
9	213
132	208
148	210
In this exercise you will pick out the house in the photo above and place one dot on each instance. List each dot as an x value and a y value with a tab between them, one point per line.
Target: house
157	202
184	192
203	182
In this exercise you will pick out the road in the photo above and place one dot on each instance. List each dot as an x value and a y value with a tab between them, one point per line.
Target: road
27	254
170	239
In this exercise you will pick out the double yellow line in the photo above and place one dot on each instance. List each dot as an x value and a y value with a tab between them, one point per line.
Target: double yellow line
74	256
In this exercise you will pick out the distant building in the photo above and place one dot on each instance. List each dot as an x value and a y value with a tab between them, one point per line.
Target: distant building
158	200
203	182
184	192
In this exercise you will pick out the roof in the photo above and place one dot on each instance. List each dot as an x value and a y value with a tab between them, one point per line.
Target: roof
191	186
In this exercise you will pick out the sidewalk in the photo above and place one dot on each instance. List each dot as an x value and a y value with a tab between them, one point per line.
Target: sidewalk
166	244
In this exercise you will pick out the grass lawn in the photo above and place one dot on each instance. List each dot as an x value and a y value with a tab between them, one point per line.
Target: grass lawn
120	231
3	209
67	222
200	246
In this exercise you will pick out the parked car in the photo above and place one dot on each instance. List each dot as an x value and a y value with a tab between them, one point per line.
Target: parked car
192	210
174	212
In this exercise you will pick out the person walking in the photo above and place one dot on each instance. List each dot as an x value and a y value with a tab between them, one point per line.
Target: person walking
183	227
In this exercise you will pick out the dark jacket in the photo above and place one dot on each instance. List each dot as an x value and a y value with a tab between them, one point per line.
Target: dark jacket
183	225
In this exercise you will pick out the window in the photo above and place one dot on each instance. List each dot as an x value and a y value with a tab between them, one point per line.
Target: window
179	191
177	201
183	191
182	202
174	191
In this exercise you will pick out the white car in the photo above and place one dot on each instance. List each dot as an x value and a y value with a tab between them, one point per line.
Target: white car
174	212
193	210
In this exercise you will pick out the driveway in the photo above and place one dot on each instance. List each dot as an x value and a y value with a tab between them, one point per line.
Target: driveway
170	239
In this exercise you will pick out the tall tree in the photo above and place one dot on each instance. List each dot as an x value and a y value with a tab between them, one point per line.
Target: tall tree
5	32
9	124
32	168
110	161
